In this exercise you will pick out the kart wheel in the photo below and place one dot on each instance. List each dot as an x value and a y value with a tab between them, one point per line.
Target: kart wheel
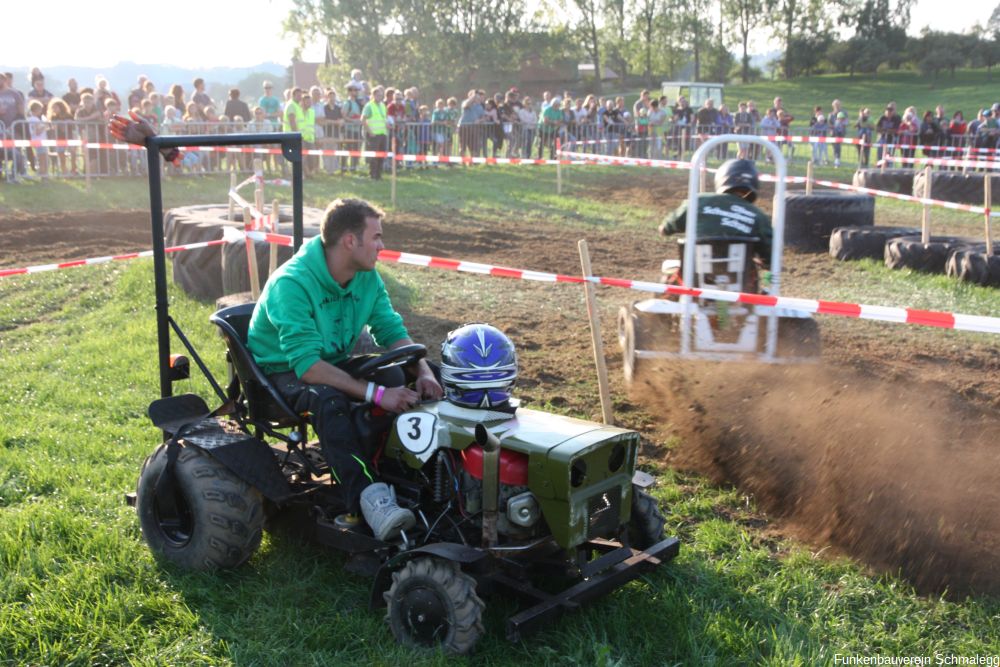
211	520
633	340
645	526
433	603
644	331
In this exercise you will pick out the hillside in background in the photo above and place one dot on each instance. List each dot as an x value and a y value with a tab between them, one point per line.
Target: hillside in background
124	75
969	90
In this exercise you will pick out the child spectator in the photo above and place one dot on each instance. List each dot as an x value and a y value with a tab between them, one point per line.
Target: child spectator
865	131
908	130
819	129
423	132
61	118
657	123
642	132
172	122
440	119
38	130
838	129
529	119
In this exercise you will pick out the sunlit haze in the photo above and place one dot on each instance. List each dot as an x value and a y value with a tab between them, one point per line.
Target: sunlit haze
200	33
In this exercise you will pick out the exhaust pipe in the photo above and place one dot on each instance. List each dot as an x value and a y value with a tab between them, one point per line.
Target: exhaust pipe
491	483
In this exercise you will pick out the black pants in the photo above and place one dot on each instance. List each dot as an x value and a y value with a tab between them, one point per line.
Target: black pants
348	432
376	142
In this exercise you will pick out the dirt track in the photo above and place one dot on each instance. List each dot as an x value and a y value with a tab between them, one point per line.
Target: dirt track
887	451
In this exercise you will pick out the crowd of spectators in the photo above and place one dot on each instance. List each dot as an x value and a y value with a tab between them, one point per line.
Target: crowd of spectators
505	124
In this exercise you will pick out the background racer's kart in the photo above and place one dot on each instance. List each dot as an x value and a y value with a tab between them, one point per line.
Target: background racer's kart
546	507
725	329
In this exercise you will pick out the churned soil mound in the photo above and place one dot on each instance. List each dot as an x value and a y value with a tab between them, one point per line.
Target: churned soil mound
902	475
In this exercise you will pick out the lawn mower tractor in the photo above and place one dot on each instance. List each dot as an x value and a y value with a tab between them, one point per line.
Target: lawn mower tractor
655	330
546	508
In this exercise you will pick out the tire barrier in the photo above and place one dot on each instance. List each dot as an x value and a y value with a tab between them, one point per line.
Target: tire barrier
955	186
201	272
811	219
889	180
864	242
973	265
908	252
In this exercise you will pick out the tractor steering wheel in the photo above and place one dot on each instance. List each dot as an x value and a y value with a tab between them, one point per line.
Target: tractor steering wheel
401	356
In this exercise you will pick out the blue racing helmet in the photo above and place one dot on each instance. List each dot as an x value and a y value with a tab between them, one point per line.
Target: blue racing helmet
478	366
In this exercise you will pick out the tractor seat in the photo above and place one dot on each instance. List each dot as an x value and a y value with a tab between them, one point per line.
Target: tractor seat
724	262
264	402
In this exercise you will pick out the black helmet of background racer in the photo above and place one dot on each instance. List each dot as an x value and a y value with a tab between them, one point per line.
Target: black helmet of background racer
738	175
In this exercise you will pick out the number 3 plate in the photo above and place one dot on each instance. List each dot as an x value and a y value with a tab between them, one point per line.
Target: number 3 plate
417	432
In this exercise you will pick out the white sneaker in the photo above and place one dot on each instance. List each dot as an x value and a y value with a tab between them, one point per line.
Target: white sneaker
384	516
836	163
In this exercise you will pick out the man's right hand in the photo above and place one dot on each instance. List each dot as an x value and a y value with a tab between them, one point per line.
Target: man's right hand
398	399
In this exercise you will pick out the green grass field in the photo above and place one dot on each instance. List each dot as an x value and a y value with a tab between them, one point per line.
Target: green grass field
968	91
79	587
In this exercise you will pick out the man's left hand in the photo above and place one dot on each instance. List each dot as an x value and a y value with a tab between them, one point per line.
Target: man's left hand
427	385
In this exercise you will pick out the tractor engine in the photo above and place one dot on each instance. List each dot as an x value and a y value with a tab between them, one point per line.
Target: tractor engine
520	515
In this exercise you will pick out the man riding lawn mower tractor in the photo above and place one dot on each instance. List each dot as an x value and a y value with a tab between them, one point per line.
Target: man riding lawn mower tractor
724	233
503	498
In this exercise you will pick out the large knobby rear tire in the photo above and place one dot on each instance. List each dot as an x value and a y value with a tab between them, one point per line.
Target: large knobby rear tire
215	520
645	525
433	603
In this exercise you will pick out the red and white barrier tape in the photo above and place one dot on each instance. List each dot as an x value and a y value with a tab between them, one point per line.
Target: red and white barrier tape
929	318
103	260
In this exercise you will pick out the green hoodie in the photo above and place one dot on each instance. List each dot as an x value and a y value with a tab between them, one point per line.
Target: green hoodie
303	315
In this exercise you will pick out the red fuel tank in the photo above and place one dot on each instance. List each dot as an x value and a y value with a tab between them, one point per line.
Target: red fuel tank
513	465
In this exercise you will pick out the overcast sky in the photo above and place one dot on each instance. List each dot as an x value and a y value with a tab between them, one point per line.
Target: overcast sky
237	34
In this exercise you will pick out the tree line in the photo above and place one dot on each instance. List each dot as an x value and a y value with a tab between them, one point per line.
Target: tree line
451	43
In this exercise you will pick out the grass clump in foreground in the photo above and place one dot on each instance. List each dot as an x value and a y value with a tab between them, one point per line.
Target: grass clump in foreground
78	586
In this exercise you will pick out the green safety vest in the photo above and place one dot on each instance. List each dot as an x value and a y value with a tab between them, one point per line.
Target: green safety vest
375	115
292	107
308	125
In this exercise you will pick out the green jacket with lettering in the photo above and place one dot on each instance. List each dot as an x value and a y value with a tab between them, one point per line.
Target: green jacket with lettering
303	315
725	215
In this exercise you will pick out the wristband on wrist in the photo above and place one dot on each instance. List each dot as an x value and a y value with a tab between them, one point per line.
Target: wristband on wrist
378	395
369	392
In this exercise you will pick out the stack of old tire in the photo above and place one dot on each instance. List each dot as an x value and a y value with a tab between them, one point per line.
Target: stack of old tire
811	218
888	180
209	273
902	247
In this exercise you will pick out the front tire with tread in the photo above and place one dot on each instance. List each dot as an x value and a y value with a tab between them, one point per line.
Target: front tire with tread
433	603
645	525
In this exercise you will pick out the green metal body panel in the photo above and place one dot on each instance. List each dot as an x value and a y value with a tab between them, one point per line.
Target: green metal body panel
553	444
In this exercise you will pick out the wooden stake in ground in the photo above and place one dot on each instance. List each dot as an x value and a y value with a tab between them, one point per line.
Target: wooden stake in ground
251	255
809	177
987	202
595	336
925	220
272	260
232	204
